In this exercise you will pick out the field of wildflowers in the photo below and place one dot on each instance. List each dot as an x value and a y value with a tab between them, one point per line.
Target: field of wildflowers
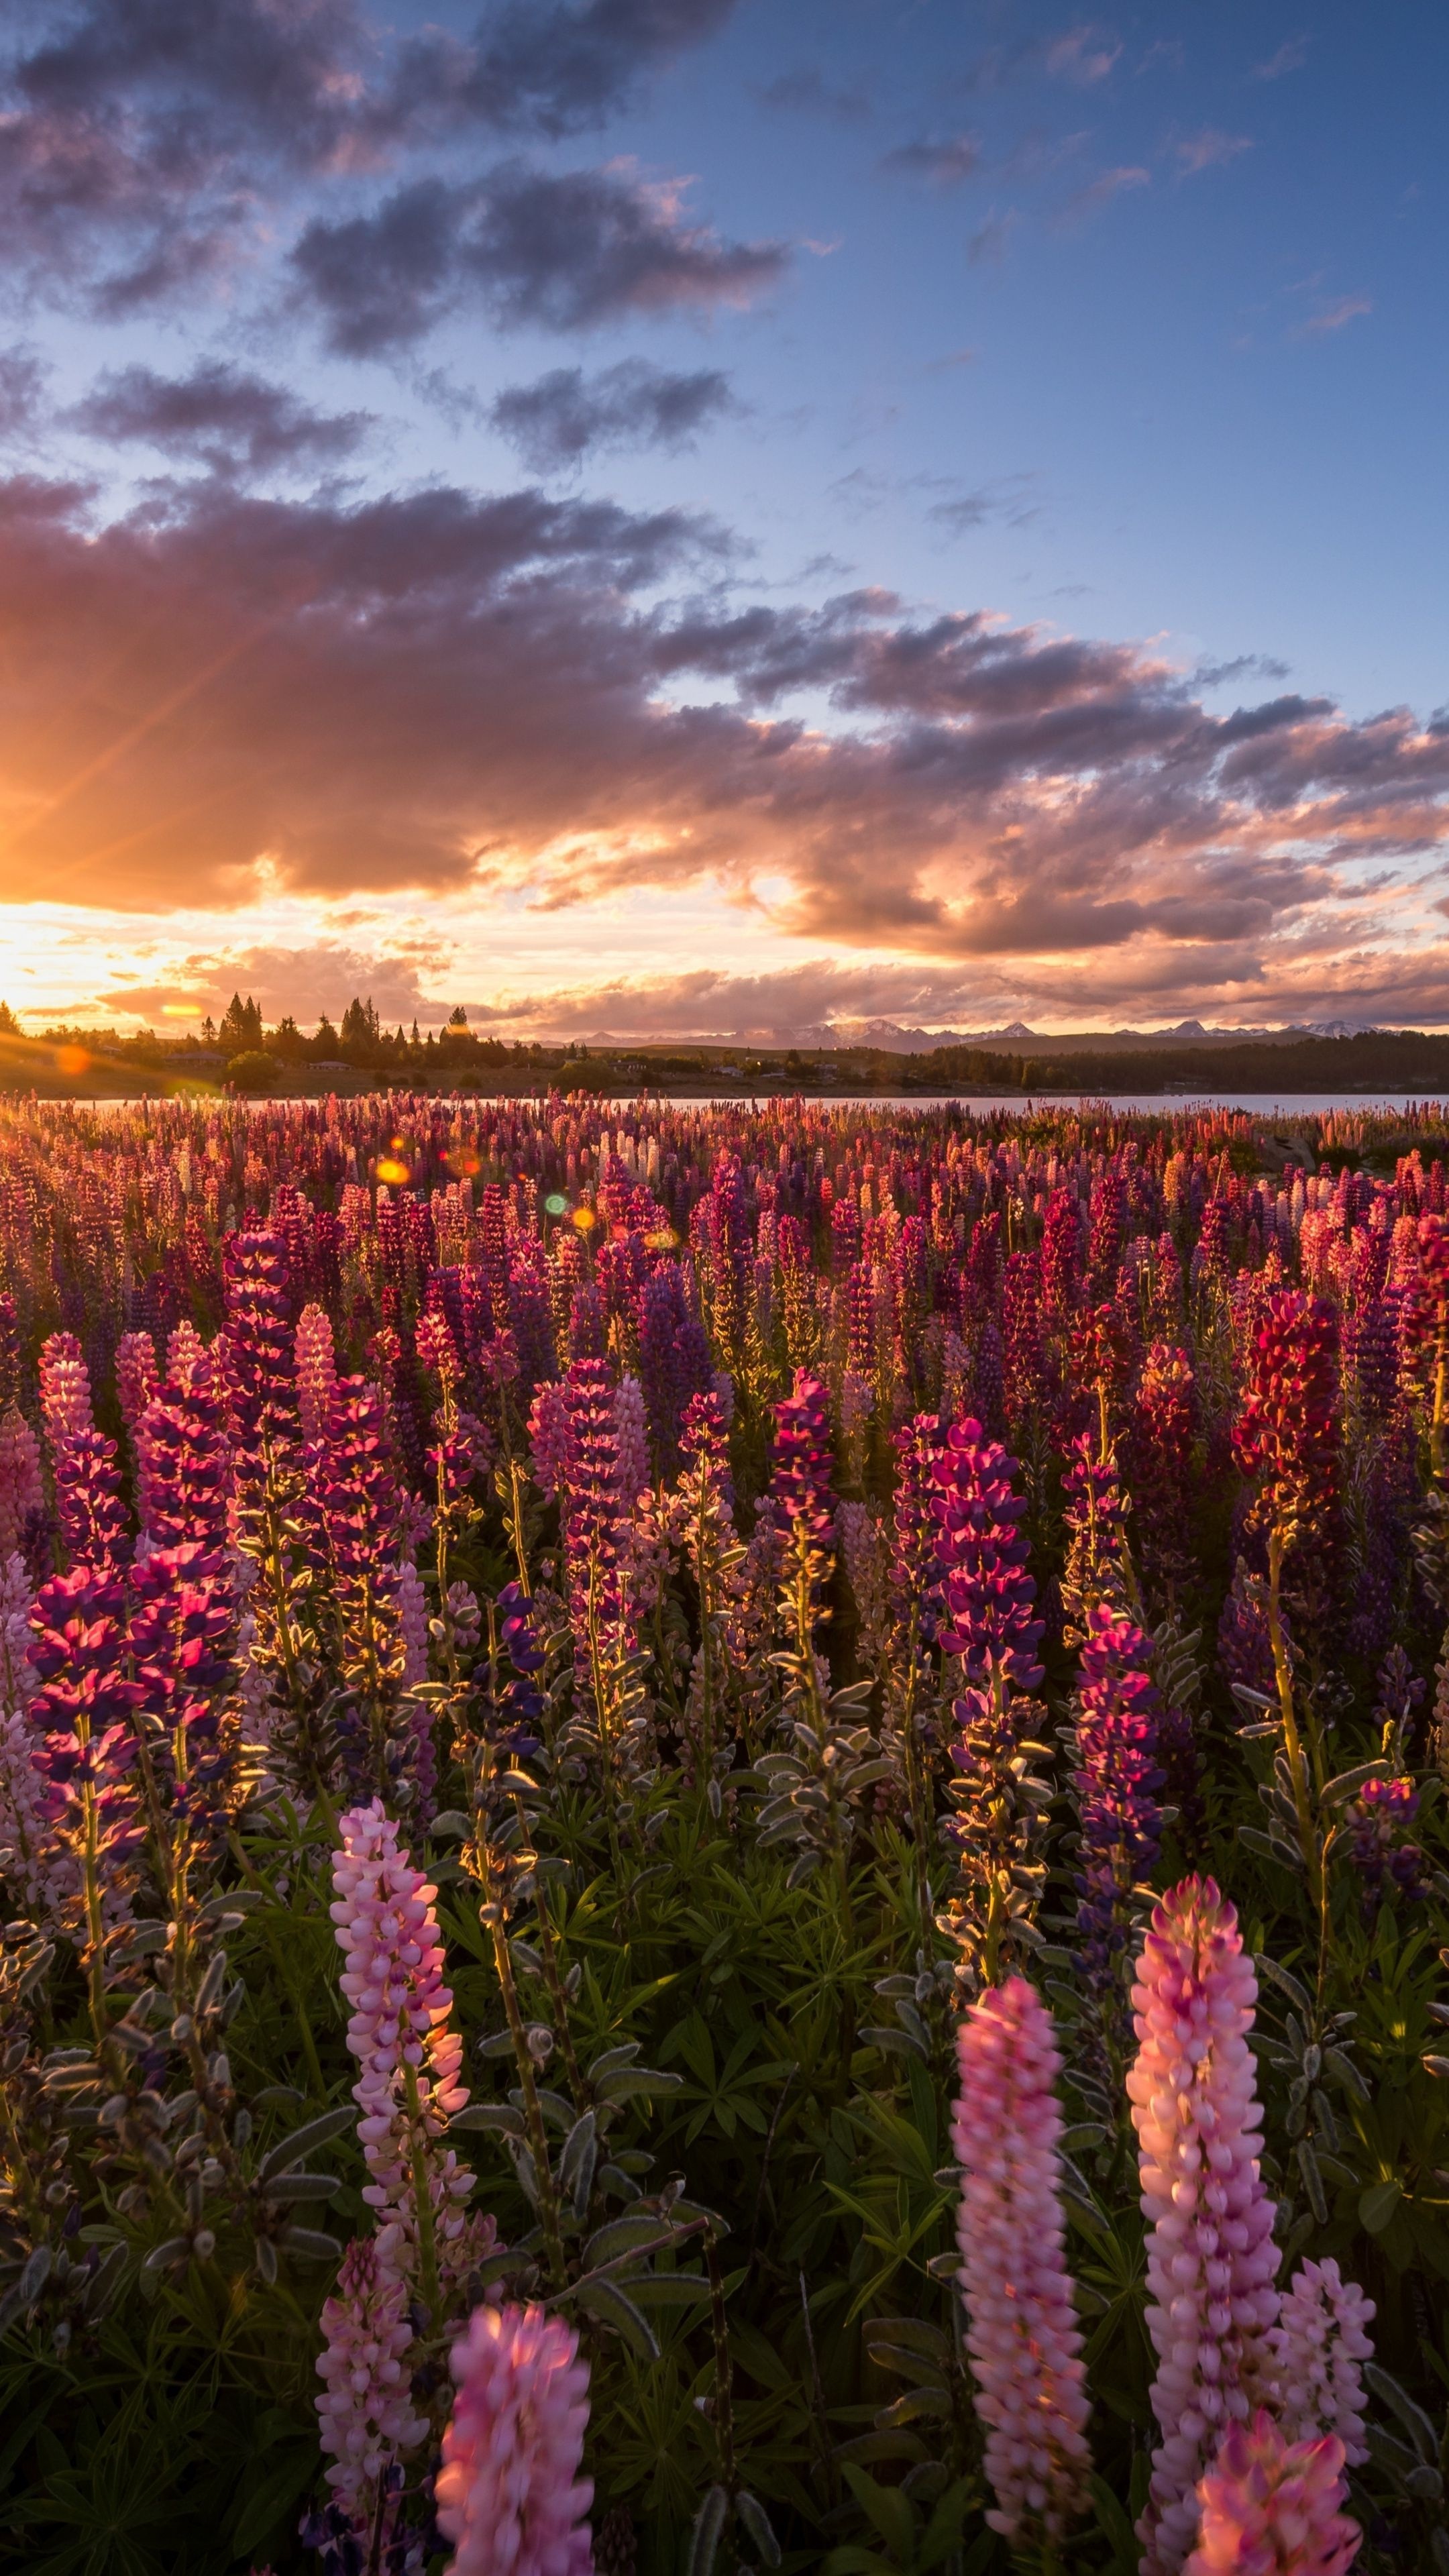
724	1841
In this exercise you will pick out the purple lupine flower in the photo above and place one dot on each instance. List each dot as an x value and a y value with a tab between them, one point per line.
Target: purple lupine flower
355	1498
514	1714
1024	2342
88	1508
987	1592
674	1362
1211	2259
1378	1820
1117	1780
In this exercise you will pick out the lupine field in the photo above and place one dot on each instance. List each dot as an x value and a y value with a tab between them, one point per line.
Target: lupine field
723	1836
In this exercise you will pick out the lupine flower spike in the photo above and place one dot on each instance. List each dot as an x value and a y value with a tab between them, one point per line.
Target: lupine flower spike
509	2494
1211	2260
1022	2335
1271	2508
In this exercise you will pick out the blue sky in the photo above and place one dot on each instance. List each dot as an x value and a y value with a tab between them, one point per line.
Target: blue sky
659	515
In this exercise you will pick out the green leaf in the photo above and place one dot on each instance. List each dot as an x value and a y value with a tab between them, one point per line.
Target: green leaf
886	2508
607	2302
1377	2205
272	2501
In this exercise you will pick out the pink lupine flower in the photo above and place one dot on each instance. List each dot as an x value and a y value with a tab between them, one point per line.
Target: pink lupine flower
22	1491
1319	2345
366	2414
408	2088
39	1871
136	1376
1271	2508
65	1389
316	1373
1211	2260
550	1439
509	2495
1022	2336
633	1439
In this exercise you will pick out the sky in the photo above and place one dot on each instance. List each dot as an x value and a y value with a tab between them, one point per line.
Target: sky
698	517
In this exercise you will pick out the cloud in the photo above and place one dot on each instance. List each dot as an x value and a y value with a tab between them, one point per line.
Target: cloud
943	165
1208	150
304	981
554	69
1101	191
562	250
1084	55
23	375
136	135
806	92
1333	317
1291	56
233	422
989	243
143	143
565	415
519	699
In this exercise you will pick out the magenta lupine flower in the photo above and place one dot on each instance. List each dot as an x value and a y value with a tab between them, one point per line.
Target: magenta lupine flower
408	2088
1211	2260
183	1640
1319	2346
1022	2334
800	1479
366	2415
1117	1780
316	1372
182	1444
259	1351
1287	1432
986	1589
83	1740
915	1571
1272	2508
595	1523
509	2495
